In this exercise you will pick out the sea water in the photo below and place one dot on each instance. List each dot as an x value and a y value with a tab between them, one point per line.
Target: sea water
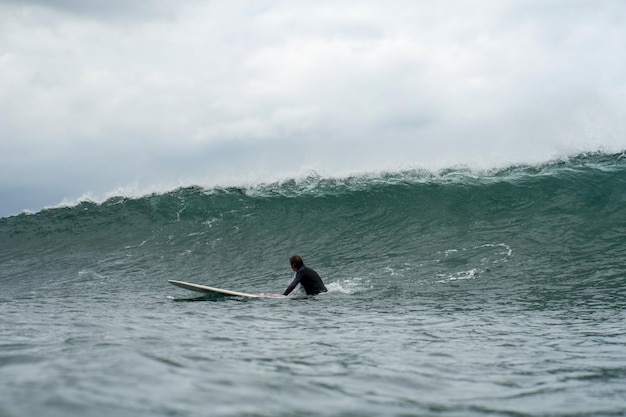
456	293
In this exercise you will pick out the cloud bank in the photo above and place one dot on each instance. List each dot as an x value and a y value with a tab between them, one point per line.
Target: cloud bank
96	96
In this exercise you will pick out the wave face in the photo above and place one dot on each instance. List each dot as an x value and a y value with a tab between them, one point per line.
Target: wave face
560	226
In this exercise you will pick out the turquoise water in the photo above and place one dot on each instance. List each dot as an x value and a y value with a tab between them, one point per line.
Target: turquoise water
455	293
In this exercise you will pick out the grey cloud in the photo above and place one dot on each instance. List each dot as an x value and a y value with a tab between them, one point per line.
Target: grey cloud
109	9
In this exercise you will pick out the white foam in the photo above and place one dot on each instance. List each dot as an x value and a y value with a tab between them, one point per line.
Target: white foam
458	276
349	286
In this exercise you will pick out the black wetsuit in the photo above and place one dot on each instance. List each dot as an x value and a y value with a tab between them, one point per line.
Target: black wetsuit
309	279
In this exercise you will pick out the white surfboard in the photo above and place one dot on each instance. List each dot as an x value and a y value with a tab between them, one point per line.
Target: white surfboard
206	289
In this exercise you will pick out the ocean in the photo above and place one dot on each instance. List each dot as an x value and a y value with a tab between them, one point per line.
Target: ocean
451	293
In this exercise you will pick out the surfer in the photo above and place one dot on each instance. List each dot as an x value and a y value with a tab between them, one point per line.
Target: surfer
306	277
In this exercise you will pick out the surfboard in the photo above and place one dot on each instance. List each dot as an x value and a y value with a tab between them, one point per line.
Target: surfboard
207	289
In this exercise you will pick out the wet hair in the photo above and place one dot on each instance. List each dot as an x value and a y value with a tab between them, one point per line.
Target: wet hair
296	261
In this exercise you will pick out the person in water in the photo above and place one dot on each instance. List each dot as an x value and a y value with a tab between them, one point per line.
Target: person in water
306	277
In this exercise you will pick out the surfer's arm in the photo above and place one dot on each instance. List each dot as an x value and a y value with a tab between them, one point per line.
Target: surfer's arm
293	284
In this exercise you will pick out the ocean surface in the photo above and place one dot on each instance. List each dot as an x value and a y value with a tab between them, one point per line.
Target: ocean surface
451	293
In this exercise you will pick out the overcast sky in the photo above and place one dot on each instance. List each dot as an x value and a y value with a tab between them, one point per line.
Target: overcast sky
99	97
